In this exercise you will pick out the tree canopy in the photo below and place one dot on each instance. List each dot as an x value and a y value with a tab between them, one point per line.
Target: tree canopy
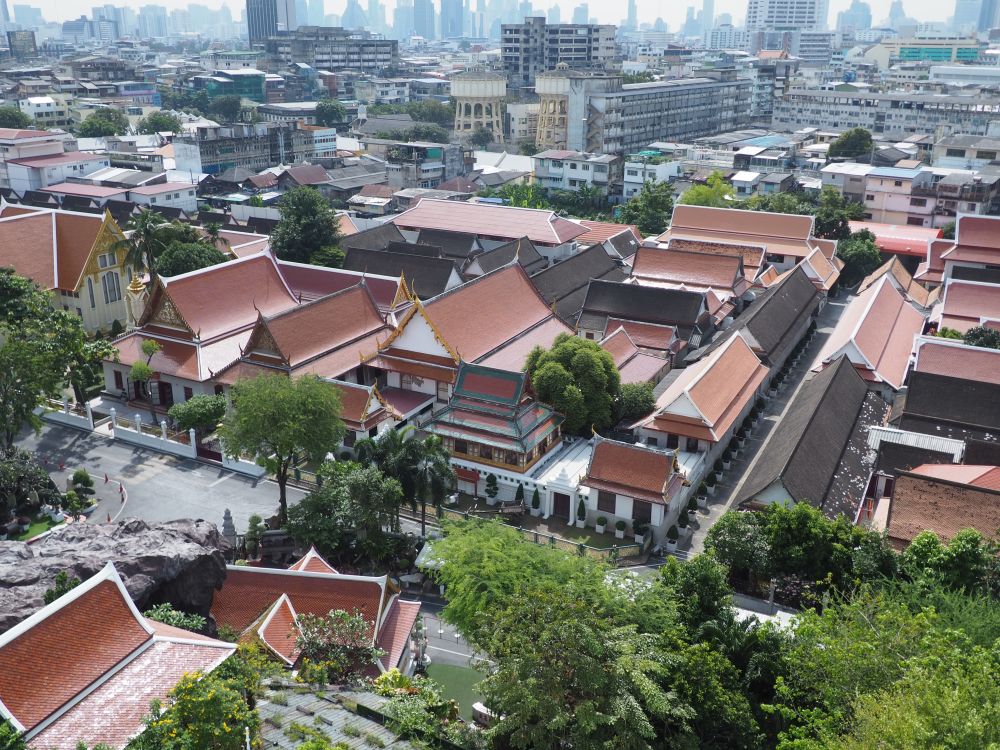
716	192
982	336
850	143
275	418
13	117
103	122
159	122
860	256
201	412
650	208
577	378
226	107
330	112
184	257
481	137
308	225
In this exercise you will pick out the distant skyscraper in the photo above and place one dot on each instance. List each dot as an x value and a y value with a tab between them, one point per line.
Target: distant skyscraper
316	12
153	21
787	15
707	15
581	13
897	16
376	16
989	16
554	15
423	18
858	17
966	18
354	17
452	19
27	15
266	18
301	12
402	19
632	19
4	17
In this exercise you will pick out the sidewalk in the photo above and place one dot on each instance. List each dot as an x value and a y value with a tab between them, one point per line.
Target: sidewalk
727	490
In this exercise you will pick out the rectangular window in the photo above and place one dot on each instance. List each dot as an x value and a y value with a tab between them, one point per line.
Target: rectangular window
642	511
461	447
869	197
486	451
90	291
606	501
218	390
918	201
188	393
897	183
987	155
914	221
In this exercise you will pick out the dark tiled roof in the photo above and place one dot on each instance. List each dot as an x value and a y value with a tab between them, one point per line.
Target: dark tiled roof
643	303
565	283
952	407
426	276
808	449
261	225
413	248
376	238
894	458
454	244
523	250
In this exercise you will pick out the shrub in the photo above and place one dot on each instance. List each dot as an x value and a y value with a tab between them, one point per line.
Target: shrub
692	504
718	466
602	521
639	527
710	480
702	489
166	614
682	519
492	488
672	533
62	584
620	525
117	329
519	493
536	499
581	510
255	530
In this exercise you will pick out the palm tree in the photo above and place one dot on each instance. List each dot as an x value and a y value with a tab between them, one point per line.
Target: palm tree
396	453
146	240
434	476
214	238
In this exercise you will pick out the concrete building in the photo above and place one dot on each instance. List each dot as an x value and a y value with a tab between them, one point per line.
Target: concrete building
215	148
35	159
637	173
573	170
382	90
847	178
935	49
598	114
894	195
335	49
418	164
479	97
891	114
46	111
965	151
265	18
533	47
787	15
522	121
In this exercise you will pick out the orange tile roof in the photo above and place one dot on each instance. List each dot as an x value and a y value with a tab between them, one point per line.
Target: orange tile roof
312	562
899	240
824	272
914	291
783	234
967	302
75	238
395	631
690	268
280	630
954	359
620	346
646	335
601	231
986	477
753	255
920	503
514	353
631	470
27	247
344	359
978	231
486	220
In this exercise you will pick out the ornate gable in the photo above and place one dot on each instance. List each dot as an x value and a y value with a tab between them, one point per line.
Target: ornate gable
107	237
262	342
162	311
428	340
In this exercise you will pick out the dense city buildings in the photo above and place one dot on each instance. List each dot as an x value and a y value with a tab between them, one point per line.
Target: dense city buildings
335	49
532	47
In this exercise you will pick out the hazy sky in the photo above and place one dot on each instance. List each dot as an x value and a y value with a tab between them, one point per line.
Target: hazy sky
606	11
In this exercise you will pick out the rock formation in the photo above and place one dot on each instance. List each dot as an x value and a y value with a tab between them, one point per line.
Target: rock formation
180	562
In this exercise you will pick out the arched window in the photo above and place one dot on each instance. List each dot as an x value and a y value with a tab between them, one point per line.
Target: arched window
90	291
111	286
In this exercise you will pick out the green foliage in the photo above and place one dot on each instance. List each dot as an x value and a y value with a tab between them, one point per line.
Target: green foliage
255	532
948	231
166	614
967	563
330	257
950	333
643	77
338	645
275	418
635	400
982	336
10	738
40	348
102	123
148	237
227	108
860	256
578	379
308	225
519	493
833	214
585	202
492	488
536	499
21	479
481	137
527	149
185	100
63	584
13	117
650	208
850	143
201	413
203	711
716	192
427	110
184	257
330	112
159	122
427	132
82	482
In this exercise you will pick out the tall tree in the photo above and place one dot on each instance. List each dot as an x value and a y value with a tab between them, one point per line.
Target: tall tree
853	142
650	208
988	338
184	257
716	192
146	238
834	214
227	107
330	112
12	117
159	122
397	453
577	378
276	419
307	226
481	137
434	476
860	256
103	122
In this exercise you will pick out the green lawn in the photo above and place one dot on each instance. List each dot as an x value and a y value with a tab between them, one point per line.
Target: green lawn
458	683
38	525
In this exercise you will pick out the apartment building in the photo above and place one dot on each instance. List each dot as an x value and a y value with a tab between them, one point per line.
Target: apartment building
420	164
965	151
46	111
533	47
924	197
847	178
335	49
636	173
574	170
886	114
382	90
215	148
35	159
598	114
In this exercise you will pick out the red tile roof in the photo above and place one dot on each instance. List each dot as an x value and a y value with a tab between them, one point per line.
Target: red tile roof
395	632
646	335
978	231
782	234
966	303
600	231
312	282
631	470
920	503
51	160
16	134
954	359
899	240
312	562
85	190
690	269
27	242
986	477
485	220
280	630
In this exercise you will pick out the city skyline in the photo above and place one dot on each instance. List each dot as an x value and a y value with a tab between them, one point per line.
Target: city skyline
647	10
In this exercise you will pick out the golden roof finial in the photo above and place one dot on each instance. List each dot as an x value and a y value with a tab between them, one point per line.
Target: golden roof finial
136	286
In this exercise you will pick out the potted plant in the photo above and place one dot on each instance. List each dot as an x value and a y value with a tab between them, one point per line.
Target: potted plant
683	520
719	468
519	494
492	489
692	505
710	484
672	539
581	514
536	503
620	529
639	531
602	522
702	500
255	531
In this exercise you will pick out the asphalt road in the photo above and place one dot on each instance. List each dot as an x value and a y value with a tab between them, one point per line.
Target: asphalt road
158	487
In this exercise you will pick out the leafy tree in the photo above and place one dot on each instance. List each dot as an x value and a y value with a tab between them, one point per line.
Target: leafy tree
967	563
330	112
201	413
578	379
431	110
13	117
159	122
203	711
481	137
982	336
38	347
166	614
492	488
860	256
833	214
429	132
950	333
396	453
22	478
434	476
275	419
103	122
948	231
699	588
184	257
338	645
650	208
142	372
87	368
213	236
63	584
740	541
635	400
715	192
780	203
226	107
527	149
307	225
148	236
328	257
850	143
255	532
10	738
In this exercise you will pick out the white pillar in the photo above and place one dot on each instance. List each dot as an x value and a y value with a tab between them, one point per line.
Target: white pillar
138	423
90	414
114	421
163	429
65	405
